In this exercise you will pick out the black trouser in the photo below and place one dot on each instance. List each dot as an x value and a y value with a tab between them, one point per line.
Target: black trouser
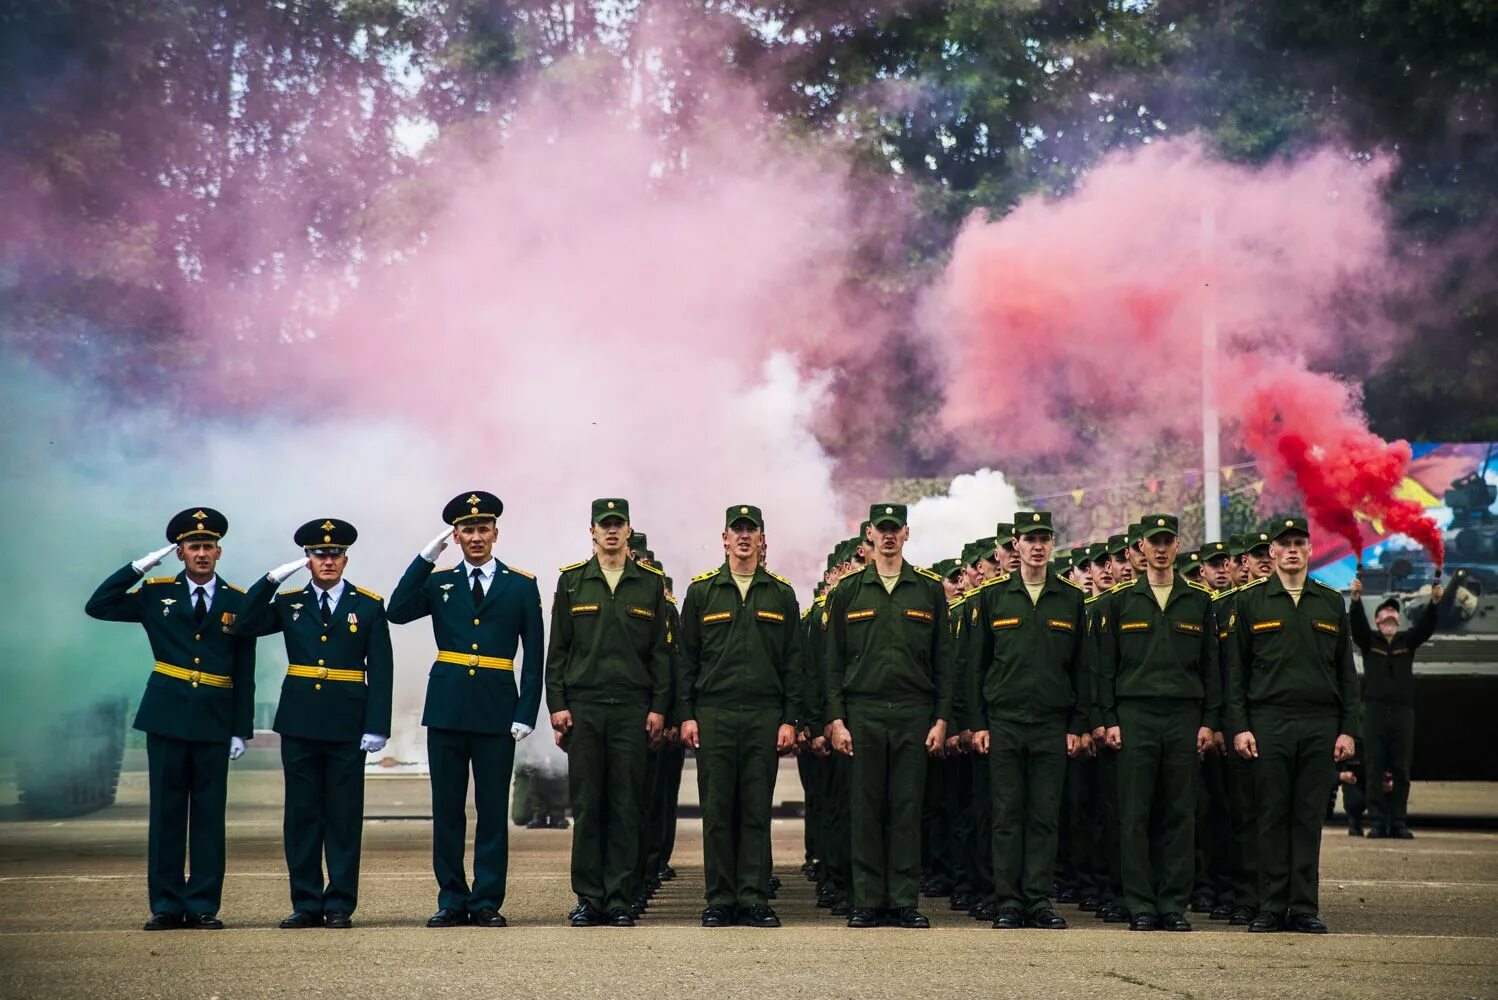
451	753
324	814
1293	781
1083	831
1027	765
963	841
838	825
980	830
1243	816
1388	745
674	759
806	771
888	784
1158	776
1110	877
606	762
736	768
936	823
1214	830
189	784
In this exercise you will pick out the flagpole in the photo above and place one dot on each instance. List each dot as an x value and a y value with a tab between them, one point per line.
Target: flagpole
1211	458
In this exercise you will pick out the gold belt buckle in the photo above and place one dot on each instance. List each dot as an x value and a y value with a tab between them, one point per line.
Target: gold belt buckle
473	660
193	676
322	673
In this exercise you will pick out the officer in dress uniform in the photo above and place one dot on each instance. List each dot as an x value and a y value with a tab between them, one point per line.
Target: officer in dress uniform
197	711
483	612
335	708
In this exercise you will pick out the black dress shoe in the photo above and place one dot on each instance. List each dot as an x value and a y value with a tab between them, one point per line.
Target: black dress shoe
559	823
909	918
759	916
1306	923
937	888
165	922
1379	833
717	916
1046	919
584	914
1222	911
1067	895
539	823
488	916
338	920
1174	922
1402	832
984	909
666	874
638	906
1114	913
1242	916
447	917
962	901
620	917
1354	828
1090	903
1143	922
301	920
861	916
841	908
204	922
1266	923
1202	902
1008	919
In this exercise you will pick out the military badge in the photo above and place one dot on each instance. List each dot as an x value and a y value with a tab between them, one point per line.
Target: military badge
445	588
353	622
296	612
167	603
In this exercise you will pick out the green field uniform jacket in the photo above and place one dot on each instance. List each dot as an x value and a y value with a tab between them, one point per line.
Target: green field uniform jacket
609	647
1149	654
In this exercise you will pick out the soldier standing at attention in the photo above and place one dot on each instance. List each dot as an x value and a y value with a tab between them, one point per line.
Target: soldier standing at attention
889	694
483	612
197	711
608	684
335	708
1292	700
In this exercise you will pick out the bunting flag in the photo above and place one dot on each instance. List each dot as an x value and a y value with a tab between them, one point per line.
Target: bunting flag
1227	475
1258	487
1077	496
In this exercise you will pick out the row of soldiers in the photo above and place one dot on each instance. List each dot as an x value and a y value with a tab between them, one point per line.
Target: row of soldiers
1007	686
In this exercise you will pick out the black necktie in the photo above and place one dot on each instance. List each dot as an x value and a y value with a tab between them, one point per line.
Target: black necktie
200	607
327	611
478	588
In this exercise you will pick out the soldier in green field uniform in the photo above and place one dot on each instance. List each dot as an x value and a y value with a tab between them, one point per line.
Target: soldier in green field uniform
197	711
1160	691
334	708
739	699
889	694
483	613
1292	703
1028	686
608	681
1213	887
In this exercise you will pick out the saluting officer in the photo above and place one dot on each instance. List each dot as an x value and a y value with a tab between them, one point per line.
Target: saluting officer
608	685
739	700
335	708
1160	691
483	612
1292	701
889	696
197	711
1029	694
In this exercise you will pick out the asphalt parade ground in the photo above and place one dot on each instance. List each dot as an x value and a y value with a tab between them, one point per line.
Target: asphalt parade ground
1409	919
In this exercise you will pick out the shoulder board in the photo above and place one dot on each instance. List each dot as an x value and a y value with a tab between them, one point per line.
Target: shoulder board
238	590
446	569
1070	582
927	574
369	593
572	566
1202	587
1253	583
162	579
821	600
521	572
1326	586
1002	578
1123	586
295	590
776	576
956	602
671	600
651	569
708	575
1226	593
1094	597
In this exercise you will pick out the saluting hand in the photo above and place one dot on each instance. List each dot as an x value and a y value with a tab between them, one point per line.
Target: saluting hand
284	570
435	546
150	559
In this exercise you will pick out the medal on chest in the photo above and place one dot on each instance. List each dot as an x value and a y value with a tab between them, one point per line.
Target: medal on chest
445	588
353	622
296	612
166	605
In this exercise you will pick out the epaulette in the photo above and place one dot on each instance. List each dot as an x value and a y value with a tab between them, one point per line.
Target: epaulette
370	594
238	590
1123	586
956	602
1202	587
294	590
525	573
1253	583
1069	580
572	566
1324	586
671	600
927	573
708	575
446	569
651	569
1226	593
162	579
821	600
1001	578
776	576
1092	598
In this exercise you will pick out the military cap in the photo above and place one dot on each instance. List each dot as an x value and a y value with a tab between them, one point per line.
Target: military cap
475	506
636	542
1187	561
605	507
669	588
1213	550
1134	532
1255	540
1098	551
1151	525
986	547
326	533
1235	545
1003	533
1061	563
646	555
1387	602
968	557
946	568
197	523
1288	526
743	512
863	529
1026	521
1080	555
1117	544
879	513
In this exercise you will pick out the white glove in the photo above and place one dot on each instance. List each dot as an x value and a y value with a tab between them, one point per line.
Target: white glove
435	546
286	569
236	748
372	743
519	731
150	559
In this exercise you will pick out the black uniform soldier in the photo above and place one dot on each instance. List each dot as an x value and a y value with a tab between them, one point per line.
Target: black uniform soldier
889	694
483	612
1160	690
1389	704
1029	697
739	699
1292	700
197	711
608	682
335	708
